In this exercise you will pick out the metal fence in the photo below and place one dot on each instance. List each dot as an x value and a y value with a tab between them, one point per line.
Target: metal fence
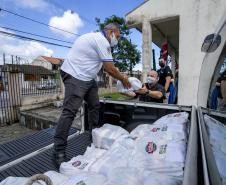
19	78
103	78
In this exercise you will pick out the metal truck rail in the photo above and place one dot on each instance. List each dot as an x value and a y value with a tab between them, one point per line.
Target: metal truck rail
211	174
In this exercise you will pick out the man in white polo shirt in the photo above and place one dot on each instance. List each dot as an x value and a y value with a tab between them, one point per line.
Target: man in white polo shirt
88	54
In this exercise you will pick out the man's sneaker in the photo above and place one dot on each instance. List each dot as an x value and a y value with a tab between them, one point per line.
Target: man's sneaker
59	157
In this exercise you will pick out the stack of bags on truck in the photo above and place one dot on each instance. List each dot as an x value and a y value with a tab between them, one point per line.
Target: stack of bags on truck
217	138
103	153
150	154
161	147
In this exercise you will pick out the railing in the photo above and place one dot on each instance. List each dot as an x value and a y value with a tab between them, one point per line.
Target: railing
19	78
103	78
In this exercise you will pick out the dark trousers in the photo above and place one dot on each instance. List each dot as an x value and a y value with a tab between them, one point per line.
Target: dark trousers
75	92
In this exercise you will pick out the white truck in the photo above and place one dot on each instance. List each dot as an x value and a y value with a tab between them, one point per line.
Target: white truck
33	154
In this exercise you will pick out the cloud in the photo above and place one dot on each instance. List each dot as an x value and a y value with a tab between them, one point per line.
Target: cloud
32	4
69	21
29	49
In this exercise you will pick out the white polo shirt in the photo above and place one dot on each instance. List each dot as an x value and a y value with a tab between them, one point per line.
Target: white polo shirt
85	58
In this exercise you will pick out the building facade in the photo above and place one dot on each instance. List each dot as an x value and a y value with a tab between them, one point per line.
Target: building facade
184	24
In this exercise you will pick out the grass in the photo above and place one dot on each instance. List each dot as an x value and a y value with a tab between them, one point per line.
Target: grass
115	96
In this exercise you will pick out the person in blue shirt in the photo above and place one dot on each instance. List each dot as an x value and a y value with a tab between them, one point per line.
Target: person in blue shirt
165	79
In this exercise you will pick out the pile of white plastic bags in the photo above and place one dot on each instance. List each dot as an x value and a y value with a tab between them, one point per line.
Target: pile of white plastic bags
161	147
150	154
217	137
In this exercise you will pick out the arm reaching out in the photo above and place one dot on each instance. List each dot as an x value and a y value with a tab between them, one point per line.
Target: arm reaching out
111	70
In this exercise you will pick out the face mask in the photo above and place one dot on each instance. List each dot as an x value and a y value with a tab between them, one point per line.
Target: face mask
161	64
113	41
150	80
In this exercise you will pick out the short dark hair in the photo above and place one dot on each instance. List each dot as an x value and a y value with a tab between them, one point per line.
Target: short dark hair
111	26
161	58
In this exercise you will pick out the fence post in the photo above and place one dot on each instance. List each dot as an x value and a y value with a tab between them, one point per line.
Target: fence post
14	91
62	88
110	83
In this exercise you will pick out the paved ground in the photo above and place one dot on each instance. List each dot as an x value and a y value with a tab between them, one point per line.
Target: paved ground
14	131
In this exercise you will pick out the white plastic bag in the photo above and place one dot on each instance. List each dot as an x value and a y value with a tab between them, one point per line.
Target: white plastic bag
15	181
125	176
135	85
159	179
93	152
159	156
164	131
155	149
117	156
86	178
76	165
179	118
105	136
125	141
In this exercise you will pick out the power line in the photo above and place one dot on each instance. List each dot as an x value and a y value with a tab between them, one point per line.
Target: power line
35	34
33	20
31	39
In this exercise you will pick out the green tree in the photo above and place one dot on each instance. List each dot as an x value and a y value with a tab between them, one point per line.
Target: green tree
125	54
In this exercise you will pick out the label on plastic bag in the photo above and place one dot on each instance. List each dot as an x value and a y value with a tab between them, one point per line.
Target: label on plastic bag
79	165
157	150
163	128
81	183
150	147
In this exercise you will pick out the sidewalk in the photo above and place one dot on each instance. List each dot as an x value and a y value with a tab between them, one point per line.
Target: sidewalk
14	131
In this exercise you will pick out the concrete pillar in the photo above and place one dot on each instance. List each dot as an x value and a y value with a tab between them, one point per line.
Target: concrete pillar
173	63
146	47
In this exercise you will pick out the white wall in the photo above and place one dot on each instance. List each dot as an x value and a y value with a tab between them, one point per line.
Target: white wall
197	18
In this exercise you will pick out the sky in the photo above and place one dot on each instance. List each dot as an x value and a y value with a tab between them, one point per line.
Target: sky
76	16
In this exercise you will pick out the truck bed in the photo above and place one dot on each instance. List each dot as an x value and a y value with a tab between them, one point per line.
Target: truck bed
15	149
130	115
42	162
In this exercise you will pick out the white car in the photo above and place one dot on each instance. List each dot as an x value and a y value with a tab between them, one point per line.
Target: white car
46	85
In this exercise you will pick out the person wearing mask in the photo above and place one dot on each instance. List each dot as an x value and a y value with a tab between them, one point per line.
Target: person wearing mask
221	85
165	77
216	96
88	54
152	91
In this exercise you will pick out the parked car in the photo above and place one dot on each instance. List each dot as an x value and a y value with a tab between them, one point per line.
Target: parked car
46	85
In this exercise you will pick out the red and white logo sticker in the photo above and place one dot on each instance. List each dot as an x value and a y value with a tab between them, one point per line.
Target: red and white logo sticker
76	163
150	147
